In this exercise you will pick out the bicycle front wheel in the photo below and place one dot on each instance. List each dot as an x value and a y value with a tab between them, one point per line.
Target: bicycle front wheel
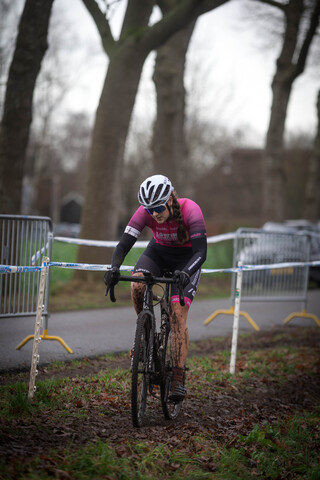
139	374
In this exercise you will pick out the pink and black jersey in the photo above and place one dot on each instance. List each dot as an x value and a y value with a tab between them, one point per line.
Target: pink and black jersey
164	248
166	234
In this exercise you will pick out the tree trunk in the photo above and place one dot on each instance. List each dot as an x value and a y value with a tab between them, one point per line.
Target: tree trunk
312	188
274	176
169	144
290	65
100	213
30	48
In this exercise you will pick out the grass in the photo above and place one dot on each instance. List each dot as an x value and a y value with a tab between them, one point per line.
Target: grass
66	294
264	453
62	252
275	447
285	445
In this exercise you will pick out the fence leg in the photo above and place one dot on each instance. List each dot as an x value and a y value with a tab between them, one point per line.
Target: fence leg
45	335
216	313
235	331
37	339
302	314
231	312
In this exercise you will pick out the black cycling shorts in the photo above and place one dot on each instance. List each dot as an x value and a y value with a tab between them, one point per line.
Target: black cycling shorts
157	260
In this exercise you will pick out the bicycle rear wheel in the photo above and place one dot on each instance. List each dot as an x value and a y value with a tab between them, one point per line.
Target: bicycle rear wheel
170	409
139	374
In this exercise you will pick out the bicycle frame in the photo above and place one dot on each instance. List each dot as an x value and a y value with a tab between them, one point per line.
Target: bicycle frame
149	355
149	309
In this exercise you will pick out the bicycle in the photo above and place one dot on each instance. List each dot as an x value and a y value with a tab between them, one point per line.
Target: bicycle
151	362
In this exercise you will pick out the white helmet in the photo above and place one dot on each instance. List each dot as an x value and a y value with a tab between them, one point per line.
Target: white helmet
155	191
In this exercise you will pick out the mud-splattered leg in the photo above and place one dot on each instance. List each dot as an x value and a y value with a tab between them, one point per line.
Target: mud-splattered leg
137	292
179	335
179	351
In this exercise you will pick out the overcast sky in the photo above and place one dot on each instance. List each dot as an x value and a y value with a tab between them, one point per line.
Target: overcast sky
230	71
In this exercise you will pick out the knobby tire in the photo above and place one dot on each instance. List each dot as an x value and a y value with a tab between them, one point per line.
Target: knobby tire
170	409
139	374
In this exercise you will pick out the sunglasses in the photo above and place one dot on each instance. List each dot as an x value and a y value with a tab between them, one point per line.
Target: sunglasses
159	209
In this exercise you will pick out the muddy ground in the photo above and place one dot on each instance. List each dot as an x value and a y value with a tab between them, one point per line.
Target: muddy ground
224	411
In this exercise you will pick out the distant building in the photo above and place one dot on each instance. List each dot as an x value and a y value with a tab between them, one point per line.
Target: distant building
230	194
71	208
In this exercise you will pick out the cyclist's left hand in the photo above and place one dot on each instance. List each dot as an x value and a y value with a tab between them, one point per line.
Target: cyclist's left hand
181	277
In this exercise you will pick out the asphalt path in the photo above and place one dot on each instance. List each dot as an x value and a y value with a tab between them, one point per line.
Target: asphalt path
95	332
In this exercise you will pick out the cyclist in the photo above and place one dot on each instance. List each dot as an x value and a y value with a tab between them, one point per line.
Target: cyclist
179	245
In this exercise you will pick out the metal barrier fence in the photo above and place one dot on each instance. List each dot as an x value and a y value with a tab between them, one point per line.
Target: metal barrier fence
290	283
23	242
260	247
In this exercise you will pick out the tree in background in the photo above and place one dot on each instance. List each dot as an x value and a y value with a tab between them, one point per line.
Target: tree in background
126	59
312	186
59	74
9	11
63	168
169	144
30	49
138	159
170	149
301	19
184	144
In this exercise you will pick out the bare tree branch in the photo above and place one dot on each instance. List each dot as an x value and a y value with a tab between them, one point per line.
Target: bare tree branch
273	3
136	19
314	22
102	24
176	19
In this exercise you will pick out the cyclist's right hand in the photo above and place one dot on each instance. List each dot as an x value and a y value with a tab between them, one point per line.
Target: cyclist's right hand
111	278
181	277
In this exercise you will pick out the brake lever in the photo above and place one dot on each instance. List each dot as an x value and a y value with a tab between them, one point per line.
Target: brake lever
112	297
181	296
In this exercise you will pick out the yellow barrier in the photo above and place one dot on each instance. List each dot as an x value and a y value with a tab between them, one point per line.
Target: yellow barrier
44	336
231	312
302	314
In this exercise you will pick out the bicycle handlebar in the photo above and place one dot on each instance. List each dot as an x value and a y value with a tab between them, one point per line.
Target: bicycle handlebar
151	280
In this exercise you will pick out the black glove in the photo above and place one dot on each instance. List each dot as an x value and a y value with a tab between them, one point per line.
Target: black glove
181	277
111	278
